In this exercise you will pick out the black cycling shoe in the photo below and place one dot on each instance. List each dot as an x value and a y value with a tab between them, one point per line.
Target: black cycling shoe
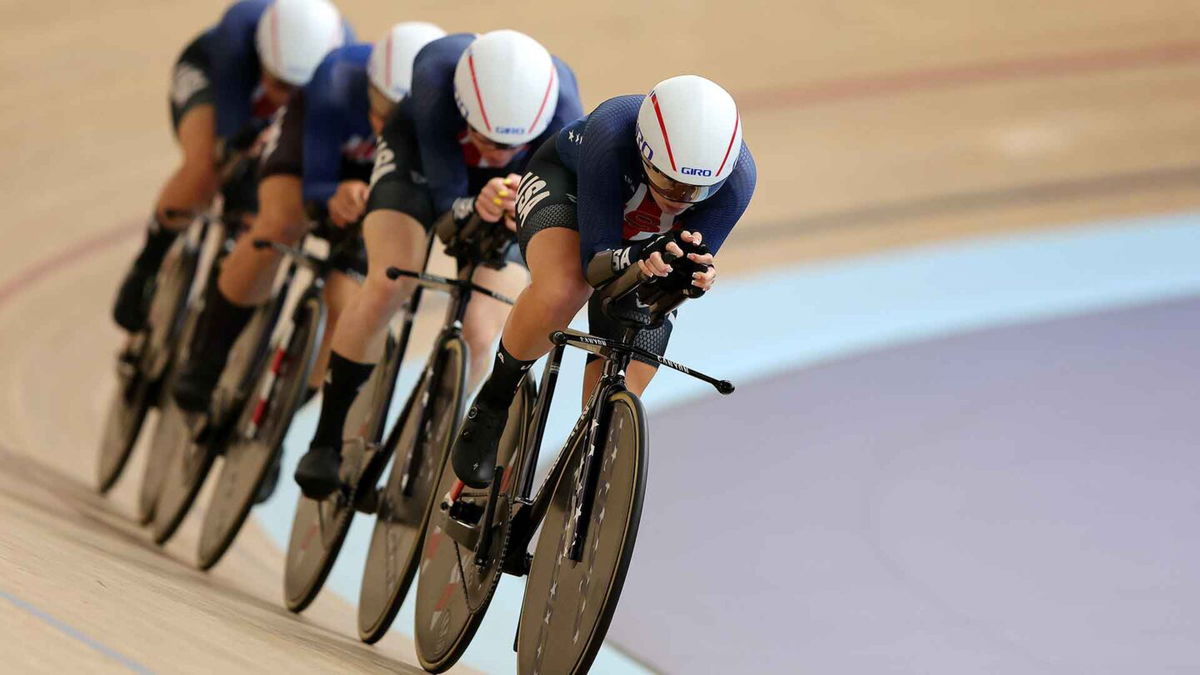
474	452
317	473
270	481
133	300
194	388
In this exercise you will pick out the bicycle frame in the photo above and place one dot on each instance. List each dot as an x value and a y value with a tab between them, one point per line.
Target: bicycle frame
460	293
589	428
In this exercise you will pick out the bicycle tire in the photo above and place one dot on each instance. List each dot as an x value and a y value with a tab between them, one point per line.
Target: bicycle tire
136	391
568	606
327	522
400	521
246	460
189	462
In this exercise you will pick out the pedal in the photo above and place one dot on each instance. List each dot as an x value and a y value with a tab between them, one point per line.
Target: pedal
452	496
467	513
466	535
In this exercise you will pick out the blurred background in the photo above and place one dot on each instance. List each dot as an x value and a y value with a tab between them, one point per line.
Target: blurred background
962	313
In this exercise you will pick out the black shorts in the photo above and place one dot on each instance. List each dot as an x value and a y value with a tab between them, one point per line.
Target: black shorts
546	196
546	199
191	82
398	180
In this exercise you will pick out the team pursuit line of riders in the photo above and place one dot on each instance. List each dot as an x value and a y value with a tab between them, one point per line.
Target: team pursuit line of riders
293	128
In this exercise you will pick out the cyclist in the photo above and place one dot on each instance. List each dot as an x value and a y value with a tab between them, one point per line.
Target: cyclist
456	147
319	153
612	188
226	85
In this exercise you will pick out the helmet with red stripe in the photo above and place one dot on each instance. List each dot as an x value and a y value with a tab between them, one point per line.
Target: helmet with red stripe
689	135
294	35
506	87
390	67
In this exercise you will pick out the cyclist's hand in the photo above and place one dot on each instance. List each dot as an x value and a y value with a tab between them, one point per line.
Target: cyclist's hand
347	205
498	198
701	280
655	266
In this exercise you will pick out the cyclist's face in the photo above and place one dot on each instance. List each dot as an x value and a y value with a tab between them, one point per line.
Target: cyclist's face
492	153
277	91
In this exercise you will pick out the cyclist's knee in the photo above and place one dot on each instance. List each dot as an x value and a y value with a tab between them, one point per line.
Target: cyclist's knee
481	329
282	230
561	294
381	297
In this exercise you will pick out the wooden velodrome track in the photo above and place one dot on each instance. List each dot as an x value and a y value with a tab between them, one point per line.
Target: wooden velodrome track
875	124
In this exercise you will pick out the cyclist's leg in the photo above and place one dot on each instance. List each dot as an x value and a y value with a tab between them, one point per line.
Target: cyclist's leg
194	183
339	291
393	239
485	316
637	377
248	273
244	283
556	292
549	239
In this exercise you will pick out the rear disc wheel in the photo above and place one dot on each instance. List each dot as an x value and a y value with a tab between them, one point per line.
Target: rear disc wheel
189	461
453	592
248	458
405	502
137	384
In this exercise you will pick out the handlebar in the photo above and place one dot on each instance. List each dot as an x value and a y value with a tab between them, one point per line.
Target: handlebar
604	346
294	252
446	284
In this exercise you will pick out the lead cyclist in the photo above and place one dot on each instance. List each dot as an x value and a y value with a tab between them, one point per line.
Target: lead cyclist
607	193
226	86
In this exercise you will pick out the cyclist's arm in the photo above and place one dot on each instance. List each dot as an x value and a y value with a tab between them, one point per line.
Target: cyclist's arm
323	138
714	219
713	222
603	149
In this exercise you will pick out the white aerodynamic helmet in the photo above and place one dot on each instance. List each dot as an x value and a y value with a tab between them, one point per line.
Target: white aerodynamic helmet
690	135
506	87
391	64
294	35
